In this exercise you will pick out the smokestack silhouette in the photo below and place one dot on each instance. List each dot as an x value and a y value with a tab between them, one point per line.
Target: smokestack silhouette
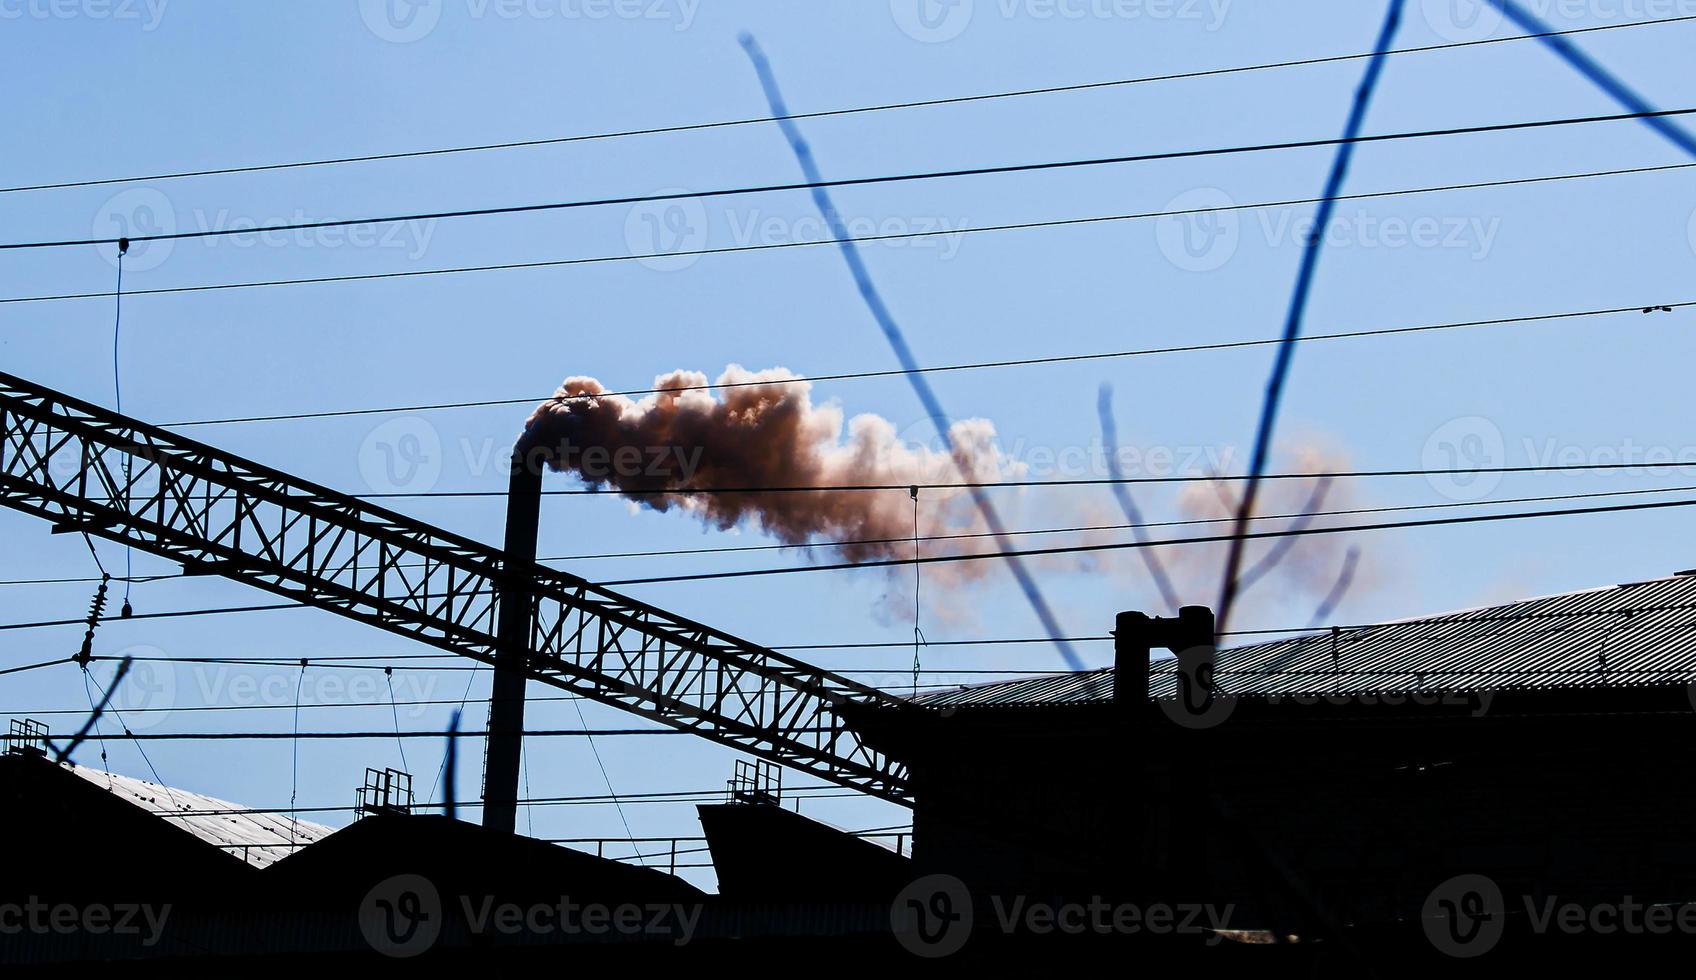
762	430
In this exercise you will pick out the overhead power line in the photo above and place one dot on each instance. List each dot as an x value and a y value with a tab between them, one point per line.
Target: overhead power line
156	615
1064	482
1016	532
429	734
937	559
811	185
673	796
1634	308
773	246
819	114
1129	545
1142	525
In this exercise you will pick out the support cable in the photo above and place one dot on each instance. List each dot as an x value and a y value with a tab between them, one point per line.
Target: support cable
118	396
294	778
394	710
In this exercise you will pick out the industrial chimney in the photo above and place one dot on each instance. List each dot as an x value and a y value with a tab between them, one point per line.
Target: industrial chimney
512	656
1136	634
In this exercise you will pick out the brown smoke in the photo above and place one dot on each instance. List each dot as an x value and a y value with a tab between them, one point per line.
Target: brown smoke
761	429
1292	574
765	431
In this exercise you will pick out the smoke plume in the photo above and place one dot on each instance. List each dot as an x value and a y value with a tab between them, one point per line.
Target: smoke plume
764	432
761	429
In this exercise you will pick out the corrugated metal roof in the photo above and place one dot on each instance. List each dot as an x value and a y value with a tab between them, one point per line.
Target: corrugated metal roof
258	838
1619	636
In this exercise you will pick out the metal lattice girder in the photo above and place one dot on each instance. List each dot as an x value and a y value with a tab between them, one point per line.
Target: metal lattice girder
83	467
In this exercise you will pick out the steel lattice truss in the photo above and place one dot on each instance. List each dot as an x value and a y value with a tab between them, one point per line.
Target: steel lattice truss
88	469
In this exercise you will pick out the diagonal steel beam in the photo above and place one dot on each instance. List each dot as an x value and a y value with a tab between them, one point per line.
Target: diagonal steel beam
62	459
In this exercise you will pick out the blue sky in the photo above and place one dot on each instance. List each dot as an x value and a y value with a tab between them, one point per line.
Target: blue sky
114	89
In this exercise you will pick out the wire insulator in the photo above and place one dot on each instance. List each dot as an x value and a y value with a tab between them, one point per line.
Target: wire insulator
96	608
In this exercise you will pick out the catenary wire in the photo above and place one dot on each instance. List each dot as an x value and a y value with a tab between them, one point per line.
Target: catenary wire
771	246
820	114
813	185
1129	545
1018	532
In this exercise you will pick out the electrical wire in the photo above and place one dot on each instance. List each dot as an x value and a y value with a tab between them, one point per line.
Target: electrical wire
918	632
825	113
443	768
83	736
670	796
1635	308
770	246
294	779
1128	545
118	399
978	535
158	615
394	711
37	666
1152	543
600	764
107	700
1592	70
816	185
1055	483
